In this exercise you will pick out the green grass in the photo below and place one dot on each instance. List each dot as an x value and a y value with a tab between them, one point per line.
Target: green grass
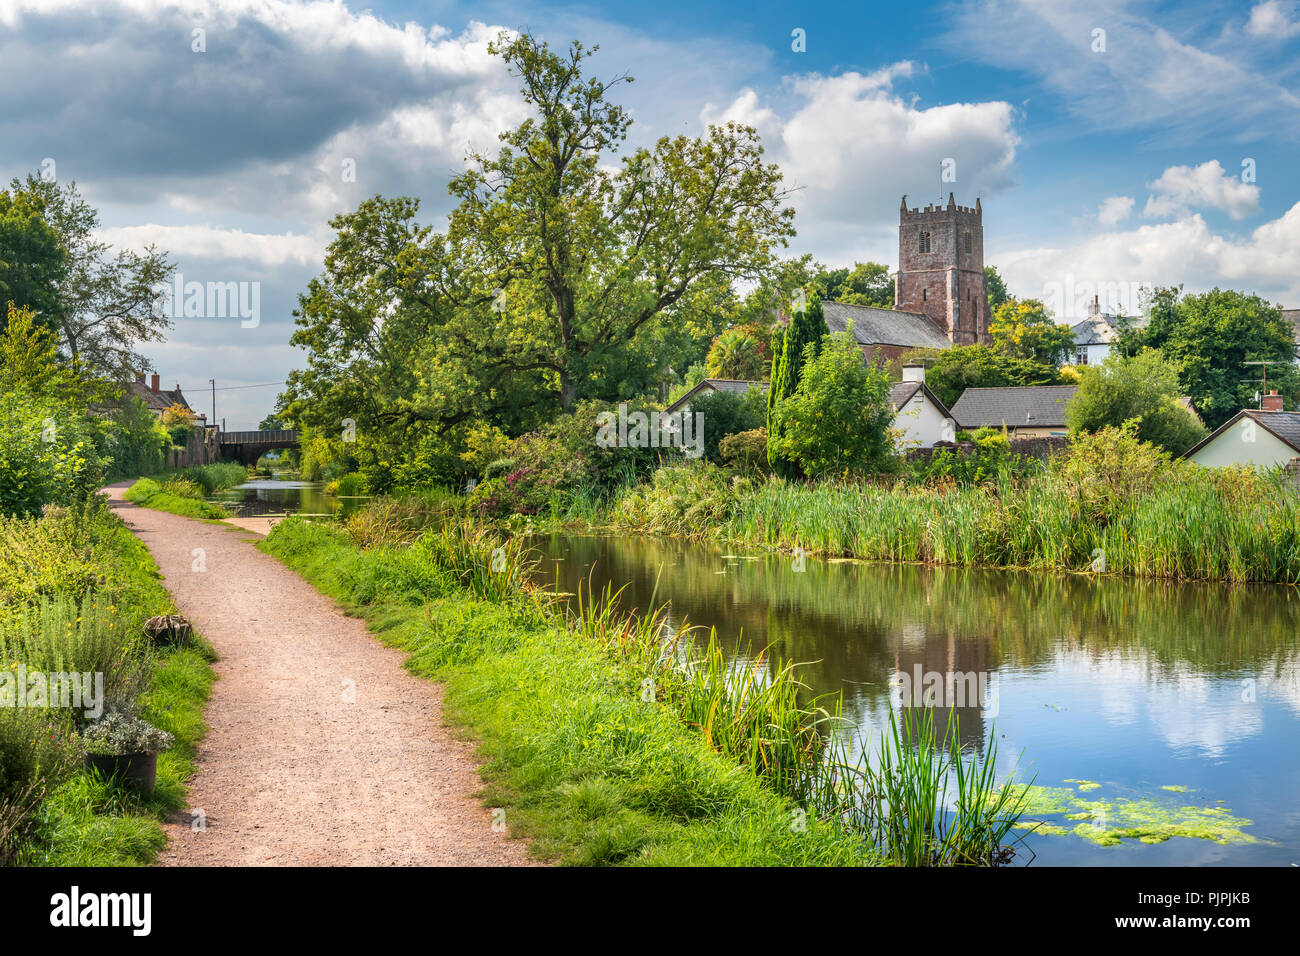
84	820
607	740
580	764
149	494
1179	522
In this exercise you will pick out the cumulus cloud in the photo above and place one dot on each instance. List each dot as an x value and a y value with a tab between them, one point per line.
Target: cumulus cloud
281	93
1119	265
851	146
1114	210
1181	188
210	243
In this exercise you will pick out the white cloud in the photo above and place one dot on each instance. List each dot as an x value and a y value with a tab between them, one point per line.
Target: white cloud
1182	188
1114	210
1273	20
207	242
1185	251
851	147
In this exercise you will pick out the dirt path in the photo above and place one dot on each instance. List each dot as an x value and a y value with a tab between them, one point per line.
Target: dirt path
292	772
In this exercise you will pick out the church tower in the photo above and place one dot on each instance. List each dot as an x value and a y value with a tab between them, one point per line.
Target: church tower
941	269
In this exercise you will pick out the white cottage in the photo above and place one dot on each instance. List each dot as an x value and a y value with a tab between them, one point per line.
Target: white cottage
1259	437
921	417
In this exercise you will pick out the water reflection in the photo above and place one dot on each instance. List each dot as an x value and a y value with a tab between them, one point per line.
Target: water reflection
270	497
1139	684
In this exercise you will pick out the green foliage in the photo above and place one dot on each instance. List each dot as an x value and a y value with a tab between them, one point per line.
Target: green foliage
150	494
990	460
1209	337
737	354
725	414
867	283
32	262
1118	498
1143	389
562	277
956	369
75	589
838	419
1023	329
137	442
807	328
997	289
745	450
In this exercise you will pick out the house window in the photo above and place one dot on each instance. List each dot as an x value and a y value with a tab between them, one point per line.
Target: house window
925	240
1081	357
966	241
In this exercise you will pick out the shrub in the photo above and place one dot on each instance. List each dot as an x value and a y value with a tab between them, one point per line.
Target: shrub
498	468
182	488
745	450
727	413
119	734
838	420
1143	389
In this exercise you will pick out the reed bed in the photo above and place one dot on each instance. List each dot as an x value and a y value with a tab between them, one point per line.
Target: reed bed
918	800
1187	523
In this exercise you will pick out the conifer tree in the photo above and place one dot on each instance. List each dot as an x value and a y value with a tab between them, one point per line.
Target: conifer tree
807	327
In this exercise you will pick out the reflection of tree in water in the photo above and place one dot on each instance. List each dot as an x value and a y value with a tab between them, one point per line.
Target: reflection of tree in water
855	624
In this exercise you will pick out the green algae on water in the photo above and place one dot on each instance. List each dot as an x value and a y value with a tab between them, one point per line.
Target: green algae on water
1108	822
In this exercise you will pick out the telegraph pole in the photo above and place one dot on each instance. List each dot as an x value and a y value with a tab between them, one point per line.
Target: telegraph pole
213	383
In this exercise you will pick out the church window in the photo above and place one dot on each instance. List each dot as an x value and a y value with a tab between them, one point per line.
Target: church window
925	240
966	241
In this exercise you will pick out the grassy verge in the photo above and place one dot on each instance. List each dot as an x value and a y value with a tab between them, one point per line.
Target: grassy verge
580	764
66	815
609	738
175	497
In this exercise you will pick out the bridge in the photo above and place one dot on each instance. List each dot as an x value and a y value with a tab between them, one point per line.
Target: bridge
247	447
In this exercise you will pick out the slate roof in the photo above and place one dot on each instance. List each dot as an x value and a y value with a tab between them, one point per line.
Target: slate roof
1095	330
738	386
1284	425
158	401
900	393
872	326
1029	406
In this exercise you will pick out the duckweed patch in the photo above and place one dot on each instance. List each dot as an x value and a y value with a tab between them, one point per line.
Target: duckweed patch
1147	819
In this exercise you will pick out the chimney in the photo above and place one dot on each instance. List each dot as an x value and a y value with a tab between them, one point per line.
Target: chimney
1095	308
913	373
1272	402
153	384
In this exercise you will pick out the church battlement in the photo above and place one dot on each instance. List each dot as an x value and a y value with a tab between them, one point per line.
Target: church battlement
941	268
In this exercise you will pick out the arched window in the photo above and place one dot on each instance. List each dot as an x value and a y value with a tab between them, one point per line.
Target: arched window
966	241
925	240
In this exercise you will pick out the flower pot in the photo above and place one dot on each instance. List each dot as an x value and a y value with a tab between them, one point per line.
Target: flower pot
136	770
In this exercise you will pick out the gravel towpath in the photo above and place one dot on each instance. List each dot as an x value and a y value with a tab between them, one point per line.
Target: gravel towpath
321	748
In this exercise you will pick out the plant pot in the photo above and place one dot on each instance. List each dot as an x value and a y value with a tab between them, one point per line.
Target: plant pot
135	770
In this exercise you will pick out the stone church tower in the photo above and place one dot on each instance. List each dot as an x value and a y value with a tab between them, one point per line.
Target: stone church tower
941	269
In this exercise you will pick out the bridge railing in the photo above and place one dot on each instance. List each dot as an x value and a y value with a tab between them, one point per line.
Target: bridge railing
270	437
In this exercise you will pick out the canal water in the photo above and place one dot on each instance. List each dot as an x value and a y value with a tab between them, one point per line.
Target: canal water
1174	702
273	497
1138	699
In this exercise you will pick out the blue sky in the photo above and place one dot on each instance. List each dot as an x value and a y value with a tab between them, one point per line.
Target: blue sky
1113	158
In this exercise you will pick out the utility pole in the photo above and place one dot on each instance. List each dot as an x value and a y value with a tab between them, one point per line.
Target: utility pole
213	383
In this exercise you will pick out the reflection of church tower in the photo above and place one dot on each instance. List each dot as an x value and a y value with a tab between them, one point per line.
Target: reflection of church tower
941	269
964	684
